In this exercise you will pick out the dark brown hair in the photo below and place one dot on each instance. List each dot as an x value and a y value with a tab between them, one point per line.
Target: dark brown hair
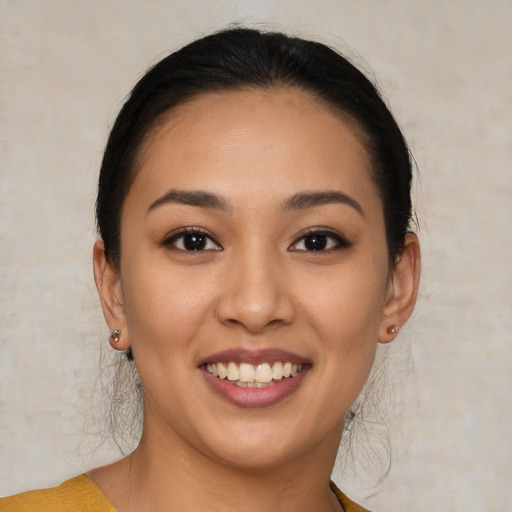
243	58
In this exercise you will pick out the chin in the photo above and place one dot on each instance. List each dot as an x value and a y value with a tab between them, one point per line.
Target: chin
253	456
270	446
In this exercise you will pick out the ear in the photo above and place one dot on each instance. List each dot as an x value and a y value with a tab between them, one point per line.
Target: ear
108	283
402	290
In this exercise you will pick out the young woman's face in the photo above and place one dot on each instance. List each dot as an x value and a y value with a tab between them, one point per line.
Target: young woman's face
253	245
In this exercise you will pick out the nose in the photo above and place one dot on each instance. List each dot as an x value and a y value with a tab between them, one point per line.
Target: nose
255	294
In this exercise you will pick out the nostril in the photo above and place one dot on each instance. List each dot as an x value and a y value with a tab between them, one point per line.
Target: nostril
253	325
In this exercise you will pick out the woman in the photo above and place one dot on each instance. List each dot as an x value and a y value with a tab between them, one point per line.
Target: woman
253	208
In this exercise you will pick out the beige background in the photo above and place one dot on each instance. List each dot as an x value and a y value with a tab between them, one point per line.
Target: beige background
444	67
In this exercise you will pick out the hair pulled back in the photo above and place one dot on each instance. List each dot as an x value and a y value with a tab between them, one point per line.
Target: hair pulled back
237	59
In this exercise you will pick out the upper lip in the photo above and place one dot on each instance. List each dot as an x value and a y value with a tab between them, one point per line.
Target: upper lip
268	355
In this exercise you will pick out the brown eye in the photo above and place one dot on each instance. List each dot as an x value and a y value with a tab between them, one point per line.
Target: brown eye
318	241
192	240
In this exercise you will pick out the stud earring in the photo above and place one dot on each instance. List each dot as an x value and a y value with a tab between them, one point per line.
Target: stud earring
115	335
393	329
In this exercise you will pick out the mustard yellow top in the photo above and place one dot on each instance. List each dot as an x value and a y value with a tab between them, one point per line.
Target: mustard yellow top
80	494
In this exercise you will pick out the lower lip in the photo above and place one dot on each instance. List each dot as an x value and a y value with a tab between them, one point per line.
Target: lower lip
255	397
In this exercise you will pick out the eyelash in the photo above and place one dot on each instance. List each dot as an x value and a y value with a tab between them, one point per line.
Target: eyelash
171	241
333	240
340	242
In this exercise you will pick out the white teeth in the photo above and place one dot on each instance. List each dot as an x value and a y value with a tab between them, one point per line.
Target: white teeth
247	373
221	370
249	376
232	371
263	373
277	371
212	368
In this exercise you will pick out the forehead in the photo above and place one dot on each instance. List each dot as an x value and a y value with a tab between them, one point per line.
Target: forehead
262	140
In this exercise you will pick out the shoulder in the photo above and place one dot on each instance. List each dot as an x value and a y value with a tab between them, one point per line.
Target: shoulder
76	495
347	504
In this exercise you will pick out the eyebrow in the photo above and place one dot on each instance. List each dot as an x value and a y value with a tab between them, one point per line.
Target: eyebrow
300	201
304	200
198	198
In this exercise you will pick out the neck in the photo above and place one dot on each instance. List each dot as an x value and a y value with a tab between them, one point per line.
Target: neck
166	474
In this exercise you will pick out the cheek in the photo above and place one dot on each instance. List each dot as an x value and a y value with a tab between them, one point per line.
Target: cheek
164	306
346	306
344	311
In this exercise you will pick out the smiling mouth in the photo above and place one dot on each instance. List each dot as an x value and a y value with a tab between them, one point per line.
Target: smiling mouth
247	375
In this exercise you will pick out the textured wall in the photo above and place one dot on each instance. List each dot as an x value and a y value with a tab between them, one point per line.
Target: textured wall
445	68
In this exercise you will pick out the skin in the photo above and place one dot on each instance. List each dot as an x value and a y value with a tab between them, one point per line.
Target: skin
255	286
